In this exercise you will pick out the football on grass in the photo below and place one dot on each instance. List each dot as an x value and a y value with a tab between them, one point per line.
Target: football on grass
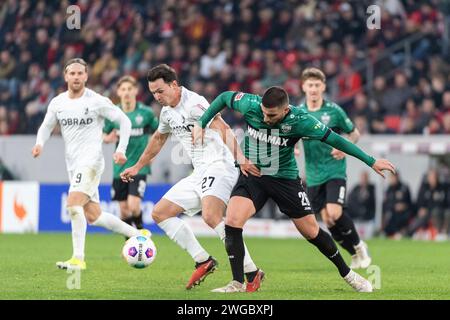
139	251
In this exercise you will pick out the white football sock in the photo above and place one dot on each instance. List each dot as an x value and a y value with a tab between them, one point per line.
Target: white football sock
178	231
79	225
111	222
249	265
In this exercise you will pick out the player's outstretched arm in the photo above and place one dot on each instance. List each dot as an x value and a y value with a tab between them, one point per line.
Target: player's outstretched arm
230	140
340	143
353	137
154	146
45	130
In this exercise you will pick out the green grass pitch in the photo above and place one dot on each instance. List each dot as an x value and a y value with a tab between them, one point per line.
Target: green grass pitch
294	269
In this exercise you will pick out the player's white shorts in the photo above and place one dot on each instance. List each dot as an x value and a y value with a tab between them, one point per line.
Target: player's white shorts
218	179
86	180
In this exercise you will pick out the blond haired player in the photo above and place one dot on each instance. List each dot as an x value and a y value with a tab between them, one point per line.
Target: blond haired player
81	113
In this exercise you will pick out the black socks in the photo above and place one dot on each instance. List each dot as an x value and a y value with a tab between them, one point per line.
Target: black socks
234	244
348	230
326	245
345	243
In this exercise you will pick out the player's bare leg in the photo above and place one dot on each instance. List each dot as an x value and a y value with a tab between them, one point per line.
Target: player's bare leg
134	205
310	229
239	210
213	210
343	228
165	214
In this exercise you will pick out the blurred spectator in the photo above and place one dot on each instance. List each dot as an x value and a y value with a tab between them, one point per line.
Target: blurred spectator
410	118
349	83
431	205
361	200
35	109
212	62
395	98
7	76
397	207
275	76
7	65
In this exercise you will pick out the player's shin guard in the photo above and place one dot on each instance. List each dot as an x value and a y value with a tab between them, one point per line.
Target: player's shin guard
111	222
234	244
348	231
79	225
337	236
249	265
326	245
179	232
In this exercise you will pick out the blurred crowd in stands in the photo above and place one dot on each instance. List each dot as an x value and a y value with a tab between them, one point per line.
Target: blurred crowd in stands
245	45
425	215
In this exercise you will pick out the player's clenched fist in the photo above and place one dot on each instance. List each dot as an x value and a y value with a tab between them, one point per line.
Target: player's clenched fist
119	158
36	151
128	174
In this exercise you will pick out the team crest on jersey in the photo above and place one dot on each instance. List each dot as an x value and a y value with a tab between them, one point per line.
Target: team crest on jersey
325	118
238	96
139	119
285	128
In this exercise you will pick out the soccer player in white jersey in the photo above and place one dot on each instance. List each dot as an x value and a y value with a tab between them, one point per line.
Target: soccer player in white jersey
209	187
81	113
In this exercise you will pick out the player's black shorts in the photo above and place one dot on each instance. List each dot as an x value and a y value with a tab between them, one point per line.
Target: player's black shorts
332	191
288	194
121	190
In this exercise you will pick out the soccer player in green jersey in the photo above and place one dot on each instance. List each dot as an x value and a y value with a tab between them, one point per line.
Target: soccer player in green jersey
273	129
143	122
325	168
